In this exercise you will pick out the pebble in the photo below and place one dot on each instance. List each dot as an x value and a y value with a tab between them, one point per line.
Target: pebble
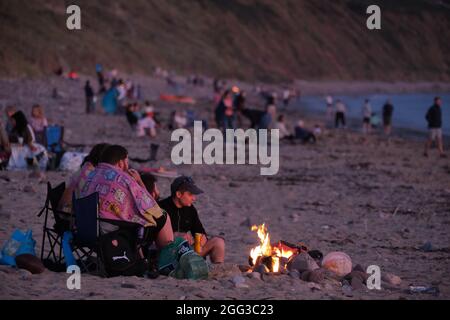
294	274
25	274
262	269
238	279
357	283
247	223
128	286
244	268
314	286
303	262
255	275
347	290
239	282
391	279
29	189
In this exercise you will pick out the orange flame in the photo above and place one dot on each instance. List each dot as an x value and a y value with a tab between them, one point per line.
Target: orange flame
265	249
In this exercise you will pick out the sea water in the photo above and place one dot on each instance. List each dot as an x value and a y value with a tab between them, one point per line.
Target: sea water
409	108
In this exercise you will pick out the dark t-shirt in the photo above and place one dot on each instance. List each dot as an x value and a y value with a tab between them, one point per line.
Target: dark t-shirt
183	219
434	117
388	110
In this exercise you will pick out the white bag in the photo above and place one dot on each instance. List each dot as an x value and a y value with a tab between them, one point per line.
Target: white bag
71	161
19	154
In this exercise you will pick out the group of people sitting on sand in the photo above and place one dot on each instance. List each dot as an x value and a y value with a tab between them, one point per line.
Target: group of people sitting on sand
230	109
22	140
127	195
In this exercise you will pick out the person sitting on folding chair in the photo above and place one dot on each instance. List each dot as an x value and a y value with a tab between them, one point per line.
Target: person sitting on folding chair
78	179
123	197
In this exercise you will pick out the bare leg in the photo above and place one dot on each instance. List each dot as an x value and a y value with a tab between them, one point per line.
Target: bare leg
427	146
440	145
215	248
387	130
165	236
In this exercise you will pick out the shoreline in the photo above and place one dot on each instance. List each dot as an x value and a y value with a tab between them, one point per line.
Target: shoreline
307	87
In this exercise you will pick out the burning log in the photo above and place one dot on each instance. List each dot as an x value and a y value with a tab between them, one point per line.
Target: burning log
274	257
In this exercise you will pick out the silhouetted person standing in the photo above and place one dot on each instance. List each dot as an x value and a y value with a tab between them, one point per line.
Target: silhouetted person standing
434	118
340	114
388	110
89	93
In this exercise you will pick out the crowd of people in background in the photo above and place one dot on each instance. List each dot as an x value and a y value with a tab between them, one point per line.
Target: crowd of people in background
231	110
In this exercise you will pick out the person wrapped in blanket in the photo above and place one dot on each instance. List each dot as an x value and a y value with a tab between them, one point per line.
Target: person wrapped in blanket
123	197
78	179
25	151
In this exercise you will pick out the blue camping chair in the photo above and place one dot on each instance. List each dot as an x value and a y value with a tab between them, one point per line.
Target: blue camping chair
54	143
86	232
53	139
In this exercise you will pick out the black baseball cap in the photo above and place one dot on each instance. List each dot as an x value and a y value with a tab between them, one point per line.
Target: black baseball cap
185	183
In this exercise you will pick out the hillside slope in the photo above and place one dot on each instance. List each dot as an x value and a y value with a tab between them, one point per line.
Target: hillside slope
248	39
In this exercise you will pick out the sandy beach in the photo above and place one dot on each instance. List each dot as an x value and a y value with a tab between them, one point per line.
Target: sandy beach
379	202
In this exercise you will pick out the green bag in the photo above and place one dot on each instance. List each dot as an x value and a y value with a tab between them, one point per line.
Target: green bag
180	261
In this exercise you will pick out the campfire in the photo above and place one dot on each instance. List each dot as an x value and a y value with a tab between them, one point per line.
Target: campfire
274	258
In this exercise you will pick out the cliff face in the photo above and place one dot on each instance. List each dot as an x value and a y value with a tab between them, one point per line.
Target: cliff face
248	39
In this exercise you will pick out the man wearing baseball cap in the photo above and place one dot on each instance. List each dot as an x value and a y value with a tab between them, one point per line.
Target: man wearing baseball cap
185	220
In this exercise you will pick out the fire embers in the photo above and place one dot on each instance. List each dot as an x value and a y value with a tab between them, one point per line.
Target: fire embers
268	258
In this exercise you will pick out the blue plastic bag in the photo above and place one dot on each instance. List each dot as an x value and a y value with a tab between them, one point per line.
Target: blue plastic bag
19	243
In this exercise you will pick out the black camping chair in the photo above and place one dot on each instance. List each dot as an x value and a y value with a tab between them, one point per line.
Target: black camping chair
87	235
62	223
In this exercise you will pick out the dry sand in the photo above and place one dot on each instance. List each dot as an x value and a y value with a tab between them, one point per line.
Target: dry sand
379	202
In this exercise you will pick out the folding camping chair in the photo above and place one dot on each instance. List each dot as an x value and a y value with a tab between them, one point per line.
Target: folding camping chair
62	223
87	235
54	143
86	231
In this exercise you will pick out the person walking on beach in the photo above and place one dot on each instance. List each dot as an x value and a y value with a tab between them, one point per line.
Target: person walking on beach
388	109
434	119
329	110
367	114
89	94
340	114
286	97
